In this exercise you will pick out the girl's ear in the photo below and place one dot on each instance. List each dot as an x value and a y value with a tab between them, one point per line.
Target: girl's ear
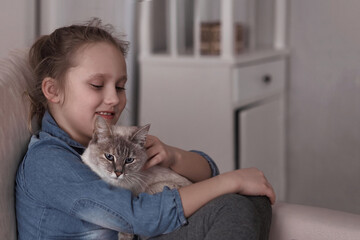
50	89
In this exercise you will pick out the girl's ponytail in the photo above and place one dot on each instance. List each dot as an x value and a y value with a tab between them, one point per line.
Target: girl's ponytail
37	100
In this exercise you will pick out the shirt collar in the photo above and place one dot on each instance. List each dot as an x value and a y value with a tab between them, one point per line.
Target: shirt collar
49	125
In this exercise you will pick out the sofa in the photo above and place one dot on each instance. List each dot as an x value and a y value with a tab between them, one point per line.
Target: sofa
290	221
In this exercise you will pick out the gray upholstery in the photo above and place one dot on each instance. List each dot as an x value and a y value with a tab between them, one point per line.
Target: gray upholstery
14	136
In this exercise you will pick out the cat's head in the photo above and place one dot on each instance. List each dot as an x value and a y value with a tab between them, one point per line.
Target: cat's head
117	153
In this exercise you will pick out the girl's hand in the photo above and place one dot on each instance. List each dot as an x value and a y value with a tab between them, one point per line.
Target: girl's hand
188	164
159	153
247	181
250	181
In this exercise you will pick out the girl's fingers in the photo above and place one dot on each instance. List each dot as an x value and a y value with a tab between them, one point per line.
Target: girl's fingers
151	153
153	146
254	182
158	152
155	160
150	163
150	141
270	193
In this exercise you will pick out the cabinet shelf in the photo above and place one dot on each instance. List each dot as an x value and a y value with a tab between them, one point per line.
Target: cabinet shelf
246	58
172	28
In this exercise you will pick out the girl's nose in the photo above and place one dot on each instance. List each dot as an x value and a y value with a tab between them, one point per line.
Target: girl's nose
111	97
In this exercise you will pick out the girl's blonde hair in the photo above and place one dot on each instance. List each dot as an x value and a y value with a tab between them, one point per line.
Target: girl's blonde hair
52	55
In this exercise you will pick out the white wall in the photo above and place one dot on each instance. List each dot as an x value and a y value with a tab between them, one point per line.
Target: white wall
17	25
324	104
55	13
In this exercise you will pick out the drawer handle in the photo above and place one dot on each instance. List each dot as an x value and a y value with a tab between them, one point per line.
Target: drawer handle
267	79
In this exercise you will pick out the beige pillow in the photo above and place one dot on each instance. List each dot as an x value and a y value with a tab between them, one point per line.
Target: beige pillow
15	74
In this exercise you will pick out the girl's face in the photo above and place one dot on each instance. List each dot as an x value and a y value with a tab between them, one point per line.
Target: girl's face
94	87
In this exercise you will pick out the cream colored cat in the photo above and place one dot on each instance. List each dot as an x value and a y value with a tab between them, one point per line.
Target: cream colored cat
117	155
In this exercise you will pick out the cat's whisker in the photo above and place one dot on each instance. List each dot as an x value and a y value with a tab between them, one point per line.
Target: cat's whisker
141	177
137	181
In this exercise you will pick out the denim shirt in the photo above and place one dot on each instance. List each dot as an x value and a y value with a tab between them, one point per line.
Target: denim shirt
59	197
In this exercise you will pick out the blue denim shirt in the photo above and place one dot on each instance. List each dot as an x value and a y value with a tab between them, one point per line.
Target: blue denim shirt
59	197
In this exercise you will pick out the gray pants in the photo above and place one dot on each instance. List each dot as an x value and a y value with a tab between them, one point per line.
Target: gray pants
227	217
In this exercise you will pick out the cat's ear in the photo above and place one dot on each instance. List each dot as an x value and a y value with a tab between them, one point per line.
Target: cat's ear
139	137
101	129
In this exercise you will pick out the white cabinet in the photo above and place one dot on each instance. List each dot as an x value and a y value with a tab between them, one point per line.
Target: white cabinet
229	106
206	106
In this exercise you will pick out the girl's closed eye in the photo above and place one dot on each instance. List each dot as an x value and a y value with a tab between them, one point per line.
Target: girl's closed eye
97	86
118	88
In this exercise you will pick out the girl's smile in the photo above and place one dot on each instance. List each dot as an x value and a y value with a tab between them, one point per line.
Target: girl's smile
108	115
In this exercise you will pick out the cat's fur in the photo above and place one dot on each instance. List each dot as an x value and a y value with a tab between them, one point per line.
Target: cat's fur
117	155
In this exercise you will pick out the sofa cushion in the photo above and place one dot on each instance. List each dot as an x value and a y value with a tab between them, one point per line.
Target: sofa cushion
15	75
293	221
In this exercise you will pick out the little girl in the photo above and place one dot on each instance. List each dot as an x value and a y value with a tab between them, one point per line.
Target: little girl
80	73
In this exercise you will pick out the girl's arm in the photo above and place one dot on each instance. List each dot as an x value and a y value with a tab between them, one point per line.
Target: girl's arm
188	164
248	181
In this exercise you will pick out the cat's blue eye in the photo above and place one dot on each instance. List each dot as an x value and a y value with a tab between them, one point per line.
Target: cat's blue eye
129	160
109	157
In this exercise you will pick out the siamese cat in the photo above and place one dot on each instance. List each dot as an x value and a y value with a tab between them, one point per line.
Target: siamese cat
117	154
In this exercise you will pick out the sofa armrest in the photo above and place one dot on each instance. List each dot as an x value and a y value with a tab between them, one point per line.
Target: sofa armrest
15	74
292	221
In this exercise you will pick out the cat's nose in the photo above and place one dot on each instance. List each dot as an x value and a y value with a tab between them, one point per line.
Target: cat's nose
118	173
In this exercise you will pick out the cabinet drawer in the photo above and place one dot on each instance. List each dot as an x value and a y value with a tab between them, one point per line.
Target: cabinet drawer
252	83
